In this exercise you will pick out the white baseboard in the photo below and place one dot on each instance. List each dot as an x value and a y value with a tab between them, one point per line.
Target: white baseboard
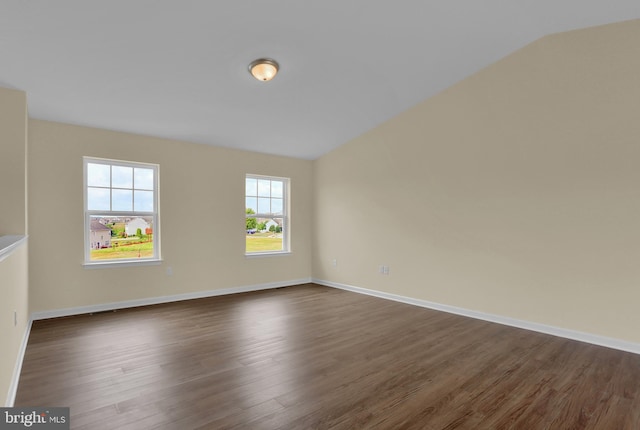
527	325
13	388
162	299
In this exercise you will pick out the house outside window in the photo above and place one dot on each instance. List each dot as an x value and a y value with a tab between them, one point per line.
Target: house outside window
266	215
120	211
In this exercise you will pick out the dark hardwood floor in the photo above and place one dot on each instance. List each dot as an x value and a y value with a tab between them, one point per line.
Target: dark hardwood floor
312	357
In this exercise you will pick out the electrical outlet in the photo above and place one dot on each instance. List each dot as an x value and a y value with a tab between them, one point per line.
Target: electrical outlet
383	270
334	262
169	271
15	318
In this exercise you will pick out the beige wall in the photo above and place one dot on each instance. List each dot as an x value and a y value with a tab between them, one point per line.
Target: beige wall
514	193
13	266
201	211
13	158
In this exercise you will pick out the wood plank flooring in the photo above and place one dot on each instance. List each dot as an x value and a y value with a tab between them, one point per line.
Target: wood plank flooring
313	357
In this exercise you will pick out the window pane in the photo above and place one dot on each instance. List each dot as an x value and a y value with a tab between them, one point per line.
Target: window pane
122	200
116	195
267	238
109	240
121	177
98	175
143	201
251	187
264	206
266	197
143	179
251	203
264	188
277	206
277	189
98	199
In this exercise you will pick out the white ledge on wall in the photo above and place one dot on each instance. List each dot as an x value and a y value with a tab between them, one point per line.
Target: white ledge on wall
9	243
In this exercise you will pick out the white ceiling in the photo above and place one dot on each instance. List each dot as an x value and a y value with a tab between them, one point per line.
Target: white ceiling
178	68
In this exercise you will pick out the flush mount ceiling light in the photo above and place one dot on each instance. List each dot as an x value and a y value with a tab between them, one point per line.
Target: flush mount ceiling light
263	69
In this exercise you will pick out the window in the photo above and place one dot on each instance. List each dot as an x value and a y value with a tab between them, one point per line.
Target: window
266	214
120	211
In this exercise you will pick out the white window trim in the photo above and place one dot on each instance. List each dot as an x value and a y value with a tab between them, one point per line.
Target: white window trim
155	215
286	231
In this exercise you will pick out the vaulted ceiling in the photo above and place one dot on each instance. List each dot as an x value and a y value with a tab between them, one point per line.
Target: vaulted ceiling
178	69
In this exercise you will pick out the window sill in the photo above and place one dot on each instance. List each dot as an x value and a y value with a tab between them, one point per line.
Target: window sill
126	263
267	254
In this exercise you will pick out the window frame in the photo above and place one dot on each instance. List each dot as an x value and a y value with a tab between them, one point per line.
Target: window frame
286	218
154	214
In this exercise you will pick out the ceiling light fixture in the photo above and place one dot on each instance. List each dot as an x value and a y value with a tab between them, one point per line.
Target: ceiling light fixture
263	69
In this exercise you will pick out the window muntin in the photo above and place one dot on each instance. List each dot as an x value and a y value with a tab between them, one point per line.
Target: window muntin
121	211
266	207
